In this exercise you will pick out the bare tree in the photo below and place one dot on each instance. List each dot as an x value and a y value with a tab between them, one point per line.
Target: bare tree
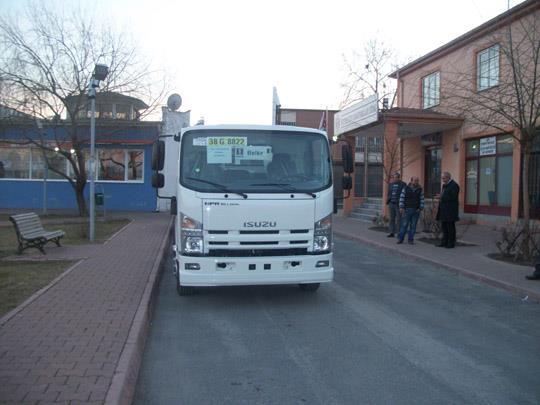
367	73
46	62
512	103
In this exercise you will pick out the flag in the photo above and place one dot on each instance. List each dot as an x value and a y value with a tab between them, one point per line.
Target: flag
322	123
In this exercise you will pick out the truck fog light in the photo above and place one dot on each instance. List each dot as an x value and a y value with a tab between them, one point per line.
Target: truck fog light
192	266
323	263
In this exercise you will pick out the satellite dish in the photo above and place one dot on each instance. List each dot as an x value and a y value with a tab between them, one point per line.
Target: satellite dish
174	101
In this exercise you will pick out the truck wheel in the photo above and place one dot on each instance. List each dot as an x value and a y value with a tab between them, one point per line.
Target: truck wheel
311	287
183	290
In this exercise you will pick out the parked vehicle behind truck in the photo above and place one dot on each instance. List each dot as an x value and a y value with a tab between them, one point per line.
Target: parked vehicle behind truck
253	205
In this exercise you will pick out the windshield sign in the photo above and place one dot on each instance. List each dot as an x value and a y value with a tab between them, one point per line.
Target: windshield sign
256	161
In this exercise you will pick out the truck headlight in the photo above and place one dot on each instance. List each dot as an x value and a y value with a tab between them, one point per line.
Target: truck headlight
191	233
322	236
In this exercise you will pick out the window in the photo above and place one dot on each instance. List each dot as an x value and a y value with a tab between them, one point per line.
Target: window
135	164
487	66
122	112
489	171
287	118
24	162
15	161
431	86
113	164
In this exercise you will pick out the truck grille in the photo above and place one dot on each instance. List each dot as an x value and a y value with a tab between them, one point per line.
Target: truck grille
268	242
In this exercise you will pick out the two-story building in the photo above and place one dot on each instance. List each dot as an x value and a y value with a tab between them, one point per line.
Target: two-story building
446	118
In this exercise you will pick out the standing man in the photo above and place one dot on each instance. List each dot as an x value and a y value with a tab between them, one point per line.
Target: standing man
411	202
394	191
448	212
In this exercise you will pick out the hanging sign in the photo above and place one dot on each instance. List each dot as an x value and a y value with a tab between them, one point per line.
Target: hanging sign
488	146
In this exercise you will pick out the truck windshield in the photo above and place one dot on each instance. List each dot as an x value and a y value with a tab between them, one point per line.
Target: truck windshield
255	161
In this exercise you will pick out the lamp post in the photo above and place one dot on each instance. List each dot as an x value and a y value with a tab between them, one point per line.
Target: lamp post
45	167
100	73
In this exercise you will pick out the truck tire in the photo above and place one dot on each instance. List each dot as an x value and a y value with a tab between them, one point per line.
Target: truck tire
311	287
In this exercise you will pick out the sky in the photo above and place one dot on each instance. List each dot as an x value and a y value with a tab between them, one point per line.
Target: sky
225	56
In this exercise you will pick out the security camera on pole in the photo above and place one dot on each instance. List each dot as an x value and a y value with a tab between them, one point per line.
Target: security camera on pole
100	73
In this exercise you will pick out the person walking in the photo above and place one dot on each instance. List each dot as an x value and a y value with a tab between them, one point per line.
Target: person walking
394	191
448	211
411	202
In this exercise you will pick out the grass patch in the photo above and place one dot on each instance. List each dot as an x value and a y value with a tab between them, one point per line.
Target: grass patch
19	280
76	234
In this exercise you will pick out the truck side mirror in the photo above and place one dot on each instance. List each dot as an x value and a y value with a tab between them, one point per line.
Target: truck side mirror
346	159
158	180
158	155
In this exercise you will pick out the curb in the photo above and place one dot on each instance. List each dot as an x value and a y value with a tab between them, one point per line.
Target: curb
530	295
122	388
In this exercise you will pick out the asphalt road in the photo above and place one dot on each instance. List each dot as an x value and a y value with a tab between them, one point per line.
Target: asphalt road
387	330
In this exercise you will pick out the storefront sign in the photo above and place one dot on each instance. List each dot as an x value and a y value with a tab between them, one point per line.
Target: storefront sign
357	115
488	146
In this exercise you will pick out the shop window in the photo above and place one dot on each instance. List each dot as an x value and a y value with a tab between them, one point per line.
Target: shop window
489	173
135	164
112	165
487	67
431	90
15	162
56	163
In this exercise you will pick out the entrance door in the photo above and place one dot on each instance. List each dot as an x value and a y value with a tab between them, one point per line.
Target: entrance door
432	184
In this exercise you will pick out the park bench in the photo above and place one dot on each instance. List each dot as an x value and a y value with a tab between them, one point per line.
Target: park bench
30	232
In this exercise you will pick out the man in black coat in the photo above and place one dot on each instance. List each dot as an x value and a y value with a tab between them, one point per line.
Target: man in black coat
448	212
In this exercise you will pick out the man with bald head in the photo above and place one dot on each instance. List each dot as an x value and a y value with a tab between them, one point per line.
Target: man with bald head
411	202
448	212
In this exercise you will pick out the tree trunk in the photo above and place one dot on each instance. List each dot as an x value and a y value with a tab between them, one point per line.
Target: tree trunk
81	202
525	241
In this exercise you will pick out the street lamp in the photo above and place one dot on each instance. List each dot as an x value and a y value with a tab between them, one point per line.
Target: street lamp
100	73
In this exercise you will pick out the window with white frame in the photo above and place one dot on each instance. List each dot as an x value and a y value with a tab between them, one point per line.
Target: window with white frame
487	67
121	165
431	86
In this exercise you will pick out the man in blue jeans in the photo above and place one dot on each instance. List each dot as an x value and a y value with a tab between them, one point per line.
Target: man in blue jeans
411	202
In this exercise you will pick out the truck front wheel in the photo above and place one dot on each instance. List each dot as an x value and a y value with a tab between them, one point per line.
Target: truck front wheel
311	287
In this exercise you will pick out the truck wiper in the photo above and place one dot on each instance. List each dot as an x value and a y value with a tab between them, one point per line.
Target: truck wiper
286	187
219	186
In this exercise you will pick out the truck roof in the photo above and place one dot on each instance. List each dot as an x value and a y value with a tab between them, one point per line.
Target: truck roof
287	128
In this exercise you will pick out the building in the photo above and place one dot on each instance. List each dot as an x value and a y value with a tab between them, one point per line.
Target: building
437	125
123	151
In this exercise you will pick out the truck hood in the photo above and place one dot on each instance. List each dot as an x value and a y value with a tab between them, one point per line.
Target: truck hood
258	215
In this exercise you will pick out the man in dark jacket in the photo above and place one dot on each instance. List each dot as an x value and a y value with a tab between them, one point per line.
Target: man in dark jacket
392	200
448	212
411	202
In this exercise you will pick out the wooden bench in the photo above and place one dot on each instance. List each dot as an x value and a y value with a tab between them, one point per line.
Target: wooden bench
30	232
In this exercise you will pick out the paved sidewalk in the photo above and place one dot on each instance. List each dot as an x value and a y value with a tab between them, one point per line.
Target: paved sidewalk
80	339
470	261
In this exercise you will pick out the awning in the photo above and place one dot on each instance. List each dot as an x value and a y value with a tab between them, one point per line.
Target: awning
411	123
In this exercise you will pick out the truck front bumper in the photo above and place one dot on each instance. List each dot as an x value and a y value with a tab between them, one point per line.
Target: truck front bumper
224	271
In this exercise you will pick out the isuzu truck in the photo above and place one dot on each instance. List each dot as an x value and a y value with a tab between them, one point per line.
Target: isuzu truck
253	206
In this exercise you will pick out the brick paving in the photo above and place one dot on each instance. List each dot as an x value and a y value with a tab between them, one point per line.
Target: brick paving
65	345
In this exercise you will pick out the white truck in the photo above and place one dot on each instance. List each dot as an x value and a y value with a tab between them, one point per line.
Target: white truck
253	205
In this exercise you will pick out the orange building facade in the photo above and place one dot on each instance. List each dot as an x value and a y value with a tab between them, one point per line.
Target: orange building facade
427	133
